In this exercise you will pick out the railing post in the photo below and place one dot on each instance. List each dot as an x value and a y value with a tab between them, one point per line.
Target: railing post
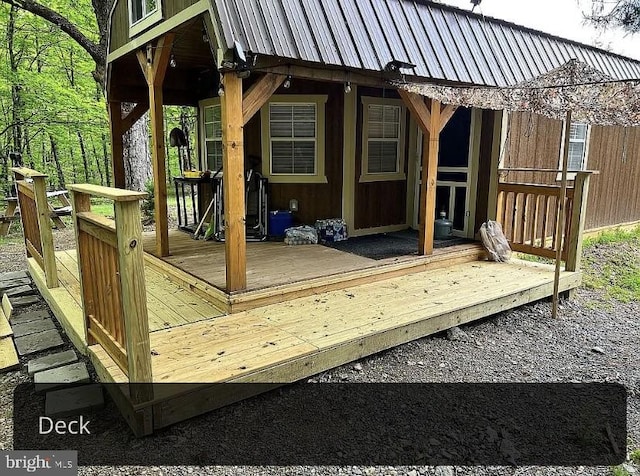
81	202
576	229
134	298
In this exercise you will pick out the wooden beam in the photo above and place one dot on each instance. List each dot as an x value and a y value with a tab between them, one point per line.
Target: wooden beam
234	199
578	216
46	236
136	113
154	66
446	115
328	75
117	146
134	299
418	109
430	148
259	94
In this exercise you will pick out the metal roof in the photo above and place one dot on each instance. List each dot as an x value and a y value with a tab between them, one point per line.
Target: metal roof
445	43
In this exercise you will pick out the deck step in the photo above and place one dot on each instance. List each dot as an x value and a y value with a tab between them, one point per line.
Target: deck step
26	317
5	328
19	291
33	327
51	361
13	275
38	342
73	401
8	356
53	379
13	283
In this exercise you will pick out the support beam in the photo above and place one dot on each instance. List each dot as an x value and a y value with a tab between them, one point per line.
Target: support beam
578	217
430	149
418	109
446	115
117	147
154	66
234	198
134	116
259	94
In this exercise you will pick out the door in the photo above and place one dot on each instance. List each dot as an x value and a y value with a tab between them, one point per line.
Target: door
456	173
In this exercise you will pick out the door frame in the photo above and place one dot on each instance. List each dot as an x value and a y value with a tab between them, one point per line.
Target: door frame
471	170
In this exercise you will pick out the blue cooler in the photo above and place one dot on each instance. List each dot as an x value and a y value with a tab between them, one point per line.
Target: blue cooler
279	220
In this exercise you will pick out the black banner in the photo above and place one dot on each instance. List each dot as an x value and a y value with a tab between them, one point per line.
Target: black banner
353	424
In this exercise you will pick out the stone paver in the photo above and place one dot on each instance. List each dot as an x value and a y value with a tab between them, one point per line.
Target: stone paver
53	379
74	401
25	317
13	275
32	327
38	342
19	291
13	283
51	361
23	301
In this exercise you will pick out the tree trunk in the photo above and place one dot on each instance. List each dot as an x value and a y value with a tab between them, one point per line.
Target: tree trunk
85	162
95	156
137	156
56	161
105	158
16	99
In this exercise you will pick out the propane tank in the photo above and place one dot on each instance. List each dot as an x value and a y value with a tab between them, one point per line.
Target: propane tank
443	227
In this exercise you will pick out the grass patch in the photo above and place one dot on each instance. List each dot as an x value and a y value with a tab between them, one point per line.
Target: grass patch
619	471
533	258
612	264
634	456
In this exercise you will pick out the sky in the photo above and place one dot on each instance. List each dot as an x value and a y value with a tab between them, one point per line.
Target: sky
562	18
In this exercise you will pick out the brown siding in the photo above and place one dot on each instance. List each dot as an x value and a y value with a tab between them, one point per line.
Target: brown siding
484	167
316	201
119	32
378	203
614	196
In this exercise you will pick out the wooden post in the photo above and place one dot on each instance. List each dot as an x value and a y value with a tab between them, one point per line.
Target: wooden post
46	235
559	232
579	212
81	202
134	298
117	149
154	67
234	199
430	149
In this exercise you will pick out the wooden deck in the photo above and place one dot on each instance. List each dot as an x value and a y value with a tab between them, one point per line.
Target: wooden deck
288	341
277	272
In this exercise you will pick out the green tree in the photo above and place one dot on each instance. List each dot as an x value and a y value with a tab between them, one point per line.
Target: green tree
624	14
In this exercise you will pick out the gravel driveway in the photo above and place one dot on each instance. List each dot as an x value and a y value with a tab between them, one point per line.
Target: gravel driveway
595	339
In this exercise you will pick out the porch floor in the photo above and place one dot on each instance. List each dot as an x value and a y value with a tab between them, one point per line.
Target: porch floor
292	340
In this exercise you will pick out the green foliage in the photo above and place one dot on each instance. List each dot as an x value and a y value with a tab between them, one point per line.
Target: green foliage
616	235
619	471
148	204
634	456
623	14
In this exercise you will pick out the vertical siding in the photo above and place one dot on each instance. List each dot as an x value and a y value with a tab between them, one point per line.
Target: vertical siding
614	195
119	32
316	201
378	203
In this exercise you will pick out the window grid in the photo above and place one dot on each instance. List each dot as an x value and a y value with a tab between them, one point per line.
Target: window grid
293	137
383	138
141	9
213	136
577	146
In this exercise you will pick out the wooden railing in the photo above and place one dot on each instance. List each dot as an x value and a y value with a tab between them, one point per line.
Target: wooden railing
31	188
111	265
529	214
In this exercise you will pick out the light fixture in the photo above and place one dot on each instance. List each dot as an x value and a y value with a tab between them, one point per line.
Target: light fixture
397	65
287	82
205	37
347	87
221	87
293	205
172	61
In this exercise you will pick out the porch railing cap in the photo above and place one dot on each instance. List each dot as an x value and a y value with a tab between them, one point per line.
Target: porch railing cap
115	194
27	173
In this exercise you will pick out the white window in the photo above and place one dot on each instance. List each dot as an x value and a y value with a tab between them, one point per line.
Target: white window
383	130
293	139
143	14
211	134
578	150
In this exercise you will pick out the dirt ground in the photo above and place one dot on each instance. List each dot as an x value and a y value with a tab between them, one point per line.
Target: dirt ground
595	339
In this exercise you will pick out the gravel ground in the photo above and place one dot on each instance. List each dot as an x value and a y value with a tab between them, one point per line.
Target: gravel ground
594	339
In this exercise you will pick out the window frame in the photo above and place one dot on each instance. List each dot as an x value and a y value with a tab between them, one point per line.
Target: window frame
320	103
202	105
365	175
571	174
147	21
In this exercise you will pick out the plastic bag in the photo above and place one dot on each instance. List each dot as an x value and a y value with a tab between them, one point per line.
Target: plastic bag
301	235
495	242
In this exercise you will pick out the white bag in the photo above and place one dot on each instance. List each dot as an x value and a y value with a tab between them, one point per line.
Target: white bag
495	242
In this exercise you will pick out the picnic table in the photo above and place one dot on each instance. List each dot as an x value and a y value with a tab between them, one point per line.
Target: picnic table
60	209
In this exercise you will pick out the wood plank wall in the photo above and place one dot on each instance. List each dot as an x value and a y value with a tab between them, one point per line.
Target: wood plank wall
120	20
316	201
614	197
378	203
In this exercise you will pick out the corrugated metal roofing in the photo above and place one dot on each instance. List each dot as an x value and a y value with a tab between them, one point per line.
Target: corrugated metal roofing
445	43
